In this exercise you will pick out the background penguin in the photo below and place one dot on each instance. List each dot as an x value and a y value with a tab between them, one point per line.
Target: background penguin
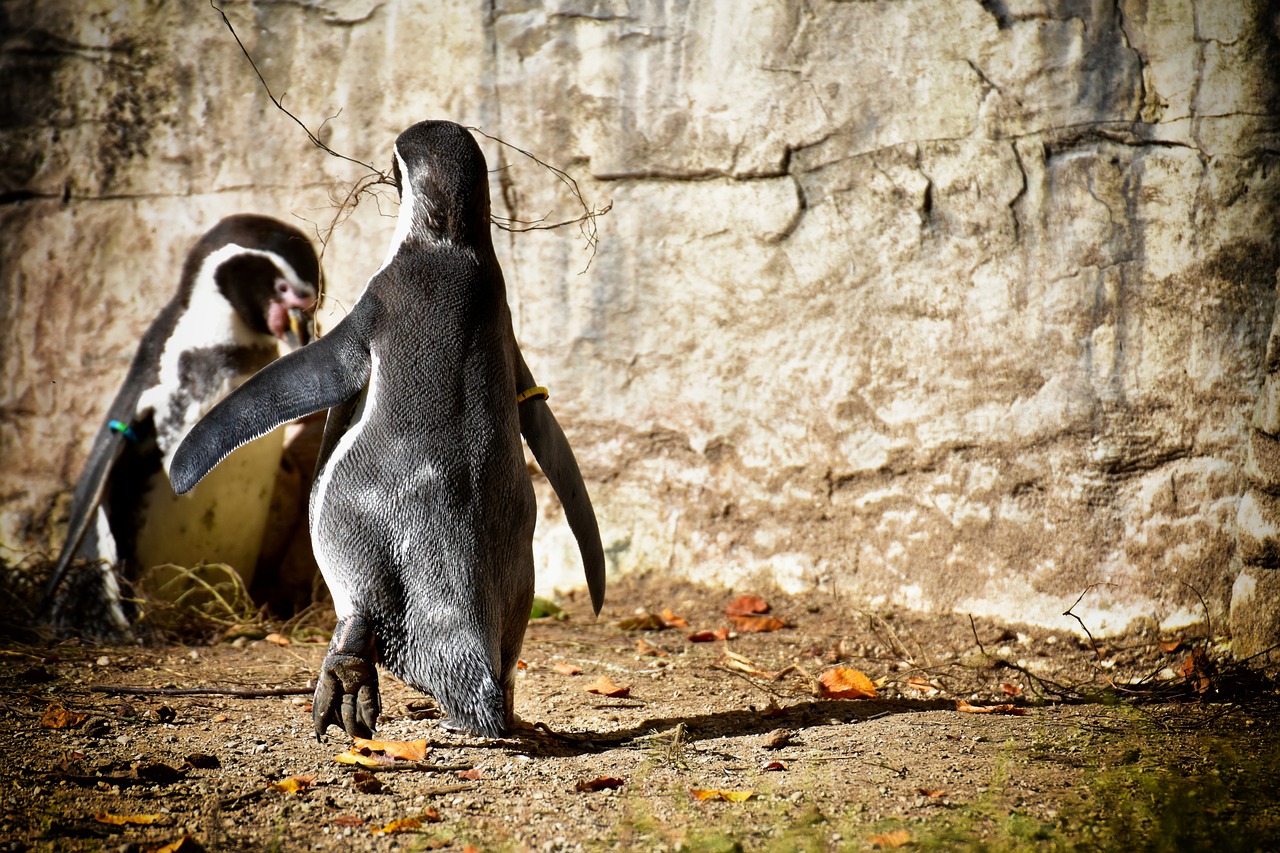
245	287
422	513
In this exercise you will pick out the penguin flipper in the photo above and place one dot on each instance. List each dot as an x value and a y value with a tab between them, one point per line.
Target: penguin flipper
108	444
322	374
550	447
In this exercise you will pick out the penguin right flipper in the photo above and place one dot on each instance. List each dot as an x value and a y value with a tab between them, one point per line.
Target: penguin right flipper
108	444
323	374
550	447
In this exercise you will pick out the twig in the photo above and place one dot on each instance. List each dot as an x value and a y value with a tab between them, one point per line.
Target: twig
1208	620
239	693
1092	642
586	222
974	628
314	139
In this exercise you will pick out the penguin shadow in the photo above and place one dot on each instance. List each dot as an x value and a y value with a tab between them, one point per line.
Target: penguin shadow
538	738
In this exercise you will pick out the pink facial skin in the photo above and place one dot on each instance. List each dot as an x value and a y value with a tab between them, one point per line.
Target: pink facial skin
287	299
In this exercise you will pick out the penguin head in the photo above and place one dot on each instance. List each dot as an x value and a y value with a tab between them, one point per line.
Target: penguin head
442	178
266	270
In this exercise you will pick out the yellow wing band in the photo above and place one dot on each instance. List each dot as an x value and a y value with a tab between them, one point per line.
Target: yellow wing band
536	391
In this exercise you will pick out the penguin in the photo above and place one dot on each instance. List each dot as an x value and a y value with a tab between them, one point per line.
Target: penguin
422	511
247	285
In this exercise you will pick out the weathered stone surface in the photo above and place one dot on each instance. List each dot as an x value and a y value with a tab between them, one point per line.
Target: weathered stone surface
945	304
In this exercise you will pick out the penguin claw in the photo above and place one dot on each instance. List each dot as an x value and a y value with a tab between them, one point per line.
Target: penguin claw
347	686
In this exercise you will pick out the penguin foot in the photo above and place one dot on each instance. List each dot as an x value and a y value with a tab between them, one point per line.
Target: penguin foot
347	686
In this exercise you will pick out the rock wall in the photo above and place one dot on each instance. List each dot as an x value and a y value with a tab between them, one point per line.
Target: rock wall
939	304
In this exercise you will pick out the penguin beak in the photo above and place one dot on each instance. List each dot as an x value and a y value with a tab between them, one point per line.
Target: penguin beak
300	329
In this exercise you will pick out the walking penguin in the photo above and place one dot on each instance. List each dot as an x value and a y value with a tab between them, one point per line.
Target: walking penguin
422	512
246	285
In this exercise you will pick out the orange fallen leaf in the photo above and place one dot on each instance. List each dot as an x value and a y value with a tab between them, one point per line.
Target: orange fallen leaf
472	775
729	796
708	636
775	765
745	605
604	686
566	668
1170	646
1011	689
348	820
185	844
644	622
897	838
1197	669
365	759
129	819
600	783
757	624
520	664
840	682
915	682
293	785
929	792
404	824
409	750
649	649
58	717
671	620
1010	709
278	640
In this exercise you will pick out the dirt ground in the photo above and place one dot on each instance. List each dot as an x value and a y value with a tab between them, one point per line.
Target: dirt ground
1150	743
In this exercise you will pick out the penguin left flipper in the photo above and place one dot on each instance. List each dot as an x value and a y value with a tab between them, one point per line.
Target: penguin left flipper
323	374
550	447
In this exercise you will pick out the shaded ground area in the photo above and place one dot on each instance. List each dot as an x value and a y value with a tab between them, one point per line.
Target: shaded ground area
1152	743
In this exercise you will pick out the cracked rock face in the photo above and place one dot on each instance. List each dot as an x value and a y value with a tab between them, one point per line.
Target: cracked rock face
948	305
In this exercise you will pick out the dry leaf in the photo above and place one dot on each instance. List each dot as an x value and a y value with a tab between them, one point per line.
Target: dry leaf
409	750
730	796
129	819
649	649
1197	669
404	824
347	820
293	785
366	782
520	664
604	686
745	605
843	683
709	636
278	640
220	718
928	792
738	663
915	682
645	622
472	775
1011	689
1011	710
185	844
600	783
1170	646
566	669
58	717
365	759
775	765
897	838
671	620
757	624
